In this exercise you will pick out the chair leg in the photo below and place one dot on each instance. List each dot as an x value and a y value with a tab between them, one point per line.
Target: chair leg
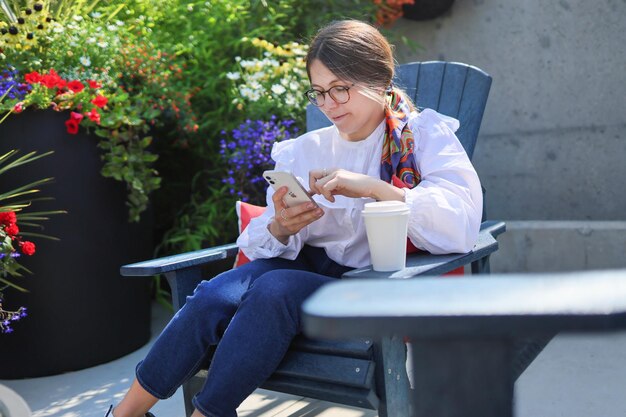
392	383
191	388
481	266
525	351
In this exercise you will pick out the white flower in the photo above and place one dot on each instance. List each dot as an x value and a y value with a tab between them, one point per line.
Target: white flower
112	28
257	76
278	89
233	75
91	40
248	93
119	23
190	8
78	18
290	101
85	60
96	15
294	86
103	44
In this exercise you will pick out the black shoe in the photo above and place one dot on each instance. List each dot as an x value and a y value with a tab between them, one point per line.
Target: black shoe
148	414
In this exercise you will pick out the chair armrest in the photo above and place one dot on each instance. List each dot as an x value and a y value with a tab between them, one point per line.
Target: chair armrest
500	305
179	262
424	264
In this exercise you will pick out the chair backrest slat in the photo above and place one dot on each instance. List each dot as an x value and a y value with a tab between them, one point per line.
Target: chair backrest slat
454	89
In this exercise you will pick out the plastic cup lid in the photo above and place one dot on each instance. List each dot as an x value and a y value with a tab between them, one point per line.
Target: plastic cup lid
385	207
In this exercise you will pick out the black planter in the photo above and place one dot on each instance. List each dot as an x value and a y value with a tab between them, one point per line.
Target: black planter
426	9
81	311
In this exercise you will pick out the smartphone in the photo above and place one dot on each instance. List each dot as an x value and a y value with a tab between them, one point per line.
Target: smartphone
296	194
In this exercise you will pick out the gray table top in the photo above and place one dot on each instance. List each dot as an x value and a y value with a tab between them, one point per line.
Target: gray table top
496	305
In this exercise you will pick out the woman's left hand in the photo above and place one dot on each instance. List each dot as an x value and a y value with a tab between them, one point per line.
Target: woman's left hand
331	182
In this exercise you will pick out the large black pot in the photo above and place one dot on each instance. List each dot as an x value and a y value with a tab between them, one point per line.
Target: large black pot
81	311
426	9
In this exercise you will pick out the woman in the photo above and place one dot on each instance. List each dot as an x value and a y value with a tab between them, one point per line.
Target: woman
378	148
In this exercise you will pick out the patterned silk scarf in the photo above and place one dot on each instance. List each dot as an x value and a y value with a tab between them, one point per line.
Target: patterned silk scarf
398	165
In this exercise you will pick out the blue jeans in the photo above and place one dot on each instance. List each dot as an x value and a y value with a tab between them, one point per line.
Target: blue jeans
254	312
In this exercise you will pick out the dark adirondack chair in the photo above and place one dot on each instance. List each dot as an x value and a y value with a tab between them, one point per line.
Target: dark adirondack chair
358	372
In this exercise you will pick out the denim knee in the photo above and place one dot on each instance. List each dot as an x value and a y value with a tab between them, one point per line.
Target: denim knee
284	291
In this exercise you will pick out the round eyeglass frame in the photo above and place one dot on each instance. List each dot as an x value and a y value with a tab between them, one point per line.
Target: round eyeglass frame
316	103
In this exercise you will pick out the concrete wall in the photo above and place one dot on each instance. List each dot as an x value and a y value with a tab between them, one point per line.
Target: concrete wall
553	141
552	147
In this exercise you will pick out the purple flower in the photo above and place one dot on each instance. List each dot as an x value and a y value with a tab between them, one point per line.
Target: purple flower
9	80
247	152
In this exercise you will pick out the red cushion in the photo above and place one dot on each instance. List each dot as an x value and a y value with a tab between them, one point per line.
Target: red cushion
245	212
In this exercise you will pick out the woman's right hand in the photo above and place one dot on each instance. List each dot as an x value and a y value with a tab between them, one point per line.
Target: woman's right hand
290	220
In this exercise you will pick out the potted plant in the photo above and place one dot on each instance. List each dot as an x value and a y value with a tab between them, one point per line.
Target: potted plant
108	78
93	88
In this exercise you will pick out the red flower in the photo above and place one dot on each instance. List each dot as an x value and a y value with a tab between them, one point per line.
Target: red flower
18	108
76	116
33	77
7	217
52	79
94	84
12	230
72	123
93	115
71	126
28	248
76	86
100	100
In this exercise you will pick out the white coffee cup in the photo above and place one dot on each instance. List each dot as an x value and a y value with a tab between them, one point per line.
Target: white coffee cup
386	225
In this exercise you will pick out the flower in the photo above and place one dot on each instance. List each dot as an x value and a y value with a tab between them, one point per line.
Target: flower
93	115
246	151
7	218
388	11
100	100
28	248
75	86
11	230
277	81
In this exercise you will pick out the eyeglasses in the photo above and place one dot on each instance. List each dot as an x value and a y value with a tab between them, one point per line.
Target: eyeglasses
339	93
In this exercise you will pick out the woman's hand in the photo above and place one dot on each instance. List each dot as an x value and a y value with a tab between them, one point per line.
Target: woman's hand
331	182
290	220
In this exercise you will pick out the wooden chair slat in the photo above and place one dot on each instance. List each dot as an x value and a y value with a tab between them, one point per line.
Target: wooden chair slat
452	89
356	348
332	369
351	396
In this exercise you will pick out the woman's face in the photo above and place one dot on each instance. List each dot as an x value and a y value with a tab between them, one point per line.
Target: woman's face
356	118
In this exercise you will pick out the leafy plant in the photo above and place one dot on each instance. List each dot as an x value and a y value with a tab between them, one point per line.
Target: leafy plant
111	77
13	217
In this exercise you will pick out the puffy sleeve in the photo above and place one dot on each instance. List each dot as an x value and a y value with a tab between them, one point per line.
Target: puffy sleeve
446	206
256	241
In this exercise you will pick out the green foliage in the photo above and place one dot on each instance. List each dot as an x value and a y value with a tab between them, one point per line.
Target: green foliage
139	85
209	37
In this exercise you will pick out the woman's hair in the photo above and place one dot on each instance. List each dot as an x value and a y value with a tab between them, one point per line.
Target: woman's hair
354	51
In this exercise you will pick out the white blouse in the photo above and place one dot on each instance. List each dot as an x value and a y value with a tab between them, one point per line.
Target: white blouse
446	206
